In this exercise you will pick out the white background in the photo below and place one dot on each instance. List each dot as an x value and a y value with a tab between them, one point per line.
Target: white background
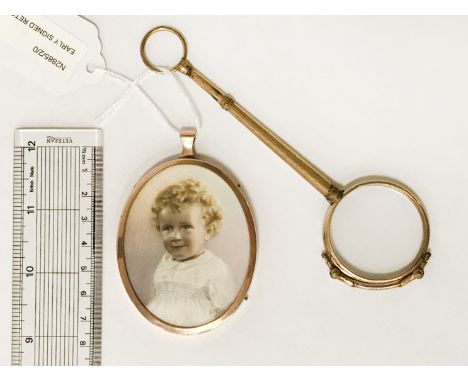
355	95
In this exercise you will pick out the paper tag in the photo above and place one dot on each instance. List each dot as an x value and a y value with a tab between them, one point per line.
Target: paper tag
53	51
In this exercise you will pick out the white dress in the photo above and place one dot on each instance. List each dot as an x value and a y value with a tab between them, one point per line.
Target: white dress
193	292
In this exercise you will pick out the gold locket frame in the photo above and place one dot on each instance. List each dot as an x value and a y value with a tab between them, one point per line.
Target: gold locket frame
332	191
188	157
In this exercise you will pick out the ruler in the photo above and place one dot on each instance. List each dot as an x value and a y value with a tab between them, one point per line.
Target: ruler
57	247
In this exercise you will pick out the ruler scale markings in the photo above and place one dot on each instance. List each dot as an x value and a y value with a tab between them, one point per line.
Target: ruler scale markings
76	169
55	279
70	214
43	229
63	275
22	251
19	349
59	274
64	362
46	255
80	289
72	251
98	271
44	246
38	253
53	285
76	255
64	269
65	289
40	186
70	259
45	358
50	258
35	269
73	344
69	227
52	276
50	322
21	260
97	318
64	252
91	313
73	257
70	217
46	251
37	249
70	310
67	285
59	269
16	234
55	276
41	254
65	238
29	219
76	285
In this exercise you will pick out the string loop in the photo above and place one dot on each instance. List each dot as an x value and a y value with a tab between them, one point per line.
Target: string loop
102	118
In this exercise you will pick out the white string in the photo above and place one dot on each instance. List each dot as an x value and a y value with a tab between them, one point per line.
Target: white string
111	110
135	84
188	99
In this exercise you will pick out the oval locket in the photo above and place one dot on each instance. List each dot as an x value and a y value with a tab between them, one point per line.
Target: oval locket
187	243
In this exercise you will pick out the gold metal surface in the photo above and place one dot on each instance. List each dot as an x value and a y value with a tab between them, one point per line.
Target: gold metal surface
151	32
121	255
341	270
312	174
187	136
332	191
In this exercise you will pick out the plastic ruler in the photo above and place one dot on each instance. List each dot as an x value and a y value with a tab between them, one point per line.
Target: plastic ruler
57	247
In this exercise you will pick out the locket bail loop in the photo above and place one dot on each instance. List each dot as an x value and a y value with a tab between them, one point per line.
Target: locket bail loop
187	136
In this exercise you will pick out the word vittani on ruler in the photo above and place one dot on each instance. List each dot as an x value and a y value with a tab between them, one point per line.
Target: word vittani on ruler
57	247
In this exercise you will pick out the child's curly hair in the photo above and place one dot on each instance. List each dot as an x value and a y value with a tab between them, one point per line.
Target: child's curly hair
184	194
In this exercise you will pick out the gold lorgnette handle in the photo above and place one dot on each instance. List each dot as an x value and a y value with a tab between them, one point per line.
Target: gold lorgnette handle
309	172
339	268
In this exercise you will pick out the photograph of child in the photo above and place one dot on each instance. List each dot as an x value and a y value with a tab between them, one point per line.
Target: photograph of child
192	286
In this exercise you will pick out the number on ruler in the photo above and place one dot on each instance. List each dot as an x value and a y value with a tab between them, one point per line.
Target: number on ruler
31	145
29	271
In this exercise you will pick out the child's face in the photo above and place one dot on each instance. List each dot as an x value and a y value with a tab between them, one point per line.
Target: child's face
183	233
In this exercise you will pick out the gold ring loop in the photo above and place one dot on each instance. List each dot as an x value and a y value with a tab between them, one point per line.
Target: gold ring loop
340	270
157	29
